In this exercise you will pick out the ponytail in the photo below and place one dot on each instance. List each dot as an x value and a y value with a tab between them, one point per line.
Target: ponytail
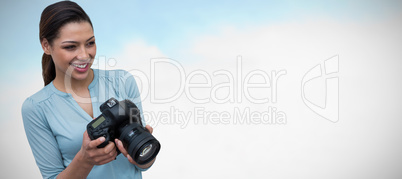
48	69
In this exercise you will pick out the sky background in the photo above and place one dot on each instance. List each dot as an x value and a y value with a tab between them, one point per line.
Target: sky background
362	36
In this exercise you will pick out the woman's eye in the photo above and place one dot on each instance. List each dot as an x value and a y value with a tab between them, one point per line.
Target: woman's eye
91	43
70	47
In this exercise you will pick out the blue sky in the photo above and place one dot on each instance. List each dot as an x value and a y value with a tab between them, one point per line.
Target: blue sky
169	25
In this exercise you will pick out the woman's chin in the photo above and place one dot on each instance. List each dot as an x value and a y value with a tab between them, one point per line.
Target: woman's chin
81	76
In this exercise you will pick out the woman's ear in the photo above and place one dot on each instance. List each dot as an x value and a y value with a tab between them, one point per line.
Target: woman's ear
45	46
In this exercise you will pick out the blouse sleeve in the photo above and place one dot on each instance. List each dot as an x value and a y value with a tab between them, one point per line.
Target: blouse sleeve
42	141
130	91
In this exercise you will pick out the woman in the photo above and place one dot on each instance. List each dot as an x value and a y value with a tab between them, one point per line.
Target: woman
55	118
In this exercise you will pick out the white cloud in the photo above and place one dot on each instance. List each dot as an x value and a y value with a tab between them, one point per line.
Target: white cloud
308	146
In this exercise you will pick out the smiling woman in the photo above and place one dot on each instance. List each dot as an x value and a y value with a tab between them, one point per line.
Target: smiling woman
55	118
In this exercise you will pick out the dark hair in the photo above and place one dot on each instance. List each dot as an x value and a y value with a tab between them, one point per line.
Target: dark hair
52	19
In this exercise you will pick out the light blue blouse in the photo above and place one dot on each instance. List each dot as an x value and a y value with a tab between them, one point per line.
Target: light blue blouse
54	124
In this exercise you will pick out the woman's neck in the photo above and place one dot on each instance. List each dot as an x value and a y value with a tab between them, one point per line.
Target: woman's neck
67	84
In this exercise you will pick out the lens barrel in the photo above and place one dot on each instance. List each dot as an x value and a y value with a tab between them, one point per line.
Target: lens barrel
140	144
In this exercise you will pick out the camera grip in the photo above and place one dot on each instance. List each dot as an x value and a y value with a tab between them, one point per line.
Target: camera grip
104	144
95	134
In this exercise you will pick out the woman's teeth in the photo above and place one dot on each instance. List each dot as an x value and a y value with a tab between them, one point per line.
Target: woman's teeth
80	66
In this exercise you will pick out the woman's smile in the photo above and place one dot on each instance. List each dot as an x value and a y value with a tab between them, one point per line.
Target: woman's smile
80	67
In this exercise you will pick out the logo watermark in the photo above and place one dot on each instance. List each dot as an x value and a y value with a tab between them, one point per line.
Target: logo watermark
328	71
202	116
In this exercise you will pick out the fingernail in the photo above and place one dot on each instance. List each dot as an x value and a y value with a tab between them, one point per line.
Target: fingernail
120	144
102	139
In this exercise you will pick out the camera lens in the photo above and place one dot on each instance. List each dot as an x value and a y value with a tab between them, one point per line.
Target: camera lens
146	150
141	145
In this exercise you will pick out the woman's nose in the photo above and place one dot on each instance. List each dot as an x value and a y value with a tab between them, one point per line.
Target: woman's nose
82	54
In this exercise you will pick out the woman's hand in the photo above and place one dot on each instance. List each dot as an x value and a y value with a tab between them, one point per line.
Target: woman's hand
97	156
125	153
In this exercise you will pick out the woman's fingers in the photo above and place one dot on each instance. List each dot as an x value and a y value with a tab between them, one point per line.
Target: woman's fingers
121	147
106	154
95	155
95	143
85	139
110	147
131	160
149	128
124	151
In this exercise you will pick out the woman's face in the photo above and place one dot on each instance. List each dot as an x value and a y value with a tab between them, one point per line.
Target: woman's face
73	51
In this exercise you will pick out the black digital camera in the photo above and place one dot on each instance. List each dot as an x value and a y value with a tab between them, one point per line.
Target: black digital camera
122	120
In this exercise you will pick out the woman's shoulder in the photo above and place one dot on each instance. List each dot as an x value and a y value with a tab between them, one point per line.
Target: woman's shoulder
42	95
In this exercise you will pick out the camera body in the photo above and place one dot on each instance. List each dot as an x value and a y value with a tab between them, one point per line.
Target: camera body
122	120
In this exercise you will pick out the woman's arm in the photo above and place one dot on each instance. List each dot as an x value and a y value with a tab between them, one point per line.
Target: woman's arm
47	153
41	140
88	156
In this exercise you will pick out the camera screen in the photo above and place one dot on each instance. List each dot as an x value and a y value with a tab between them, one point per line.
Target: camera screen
98	121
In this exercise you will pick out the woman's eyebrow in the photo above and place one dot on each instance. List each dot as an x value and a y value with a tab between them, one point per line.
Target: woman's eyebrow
76	41
90	38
